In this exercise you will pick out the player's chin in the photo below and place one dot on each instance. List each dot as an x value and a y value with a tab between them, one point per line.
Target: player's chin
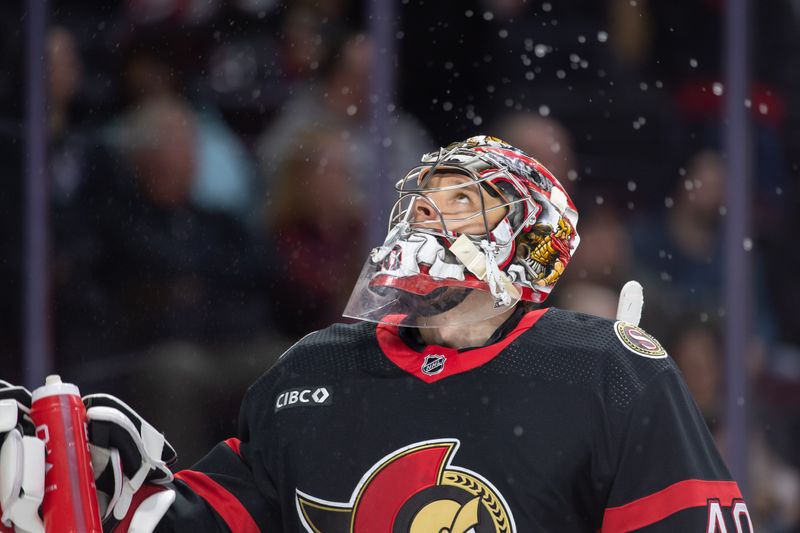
436	302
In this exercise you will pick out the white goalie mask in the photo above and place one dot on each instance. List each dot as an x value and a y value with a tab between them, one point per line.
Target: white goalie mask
478	226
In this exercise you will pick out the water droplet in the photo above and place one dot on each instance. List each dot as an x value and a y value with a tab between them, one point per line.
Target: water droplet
387	142
447	106
352	109
693	63
602	36
540	50
560	74
740	401
572	174
669	202
631	186
528	43
717	88
477	120
747	244
503	33
518	431
529	75
599	200
547	7
763	109
581	39
643	86
488	15
723	210
779	191
468	13
748	103
544	110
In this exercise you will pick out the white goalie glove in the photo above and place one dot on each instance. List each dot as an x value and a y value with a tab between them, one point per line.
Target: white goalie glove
21	463
126	452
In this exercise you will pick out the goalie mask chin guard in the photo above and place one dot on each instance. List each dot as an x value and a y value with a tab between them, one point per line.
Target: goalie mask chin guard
439	266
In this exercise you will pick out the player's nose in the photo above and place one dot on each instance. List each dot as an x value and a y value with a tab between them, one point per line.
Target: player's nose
424	211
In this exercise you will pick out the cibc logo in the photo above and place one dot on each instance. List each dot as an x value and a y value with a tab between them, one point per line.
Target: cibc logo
303	397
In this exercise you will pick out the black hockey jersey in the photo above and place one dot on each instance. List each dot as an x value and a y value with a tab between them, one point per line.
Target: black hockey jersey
569	423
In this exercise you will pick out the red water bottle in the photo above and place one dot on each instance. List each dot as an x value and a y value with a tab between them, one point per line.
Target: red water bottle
70	497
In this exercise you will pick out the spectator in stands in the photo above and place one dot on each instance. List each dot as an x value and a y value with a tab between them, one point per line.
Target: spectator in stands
545	137
601	268
224	177
318	229
697	351
176	270
678	255
774	484
82	173
184	283
340	101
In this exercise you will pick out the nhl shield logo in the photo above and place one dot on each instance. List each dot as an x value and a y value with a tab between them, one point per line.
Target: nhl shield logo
433	364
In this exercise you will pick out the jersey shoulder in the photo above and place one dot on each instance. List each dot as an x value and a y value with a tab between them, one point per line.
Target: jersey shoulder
613	358
333	352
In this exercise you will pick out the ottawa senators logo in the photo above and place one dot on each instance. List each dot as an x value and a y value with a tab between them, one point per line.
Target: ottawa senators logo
638	340
413	490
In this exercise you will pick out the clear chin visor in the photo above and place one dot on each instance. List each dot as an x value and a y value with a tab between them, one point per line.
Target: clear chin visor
416	279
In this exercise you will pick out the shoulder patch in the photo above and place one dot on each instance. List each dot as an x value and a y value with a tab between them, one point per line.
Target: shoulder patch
638	340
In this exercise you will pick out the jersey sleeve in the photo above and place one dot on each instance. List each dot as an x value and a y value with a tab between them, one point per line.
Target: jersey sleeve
228	490
669	474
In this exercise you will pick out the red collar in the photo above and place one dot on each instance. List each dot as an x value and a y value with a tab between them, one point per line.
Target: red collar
440	362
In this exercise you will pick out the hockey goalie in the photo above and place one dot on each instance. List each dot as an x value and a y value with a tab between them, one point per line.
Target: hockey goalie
456	403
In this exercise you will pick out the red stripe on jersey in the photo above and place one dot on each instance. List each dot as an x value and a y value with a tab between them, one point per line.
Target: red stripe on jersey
138	497
455	362
223	502
234	444
659	505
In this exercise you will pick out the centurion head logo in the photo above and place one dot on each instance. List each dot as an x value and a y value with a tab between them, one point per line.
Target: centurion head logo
415	489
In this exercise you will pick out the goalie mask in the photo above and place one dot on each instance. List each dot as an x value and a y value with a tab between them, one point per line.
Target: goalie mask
477	227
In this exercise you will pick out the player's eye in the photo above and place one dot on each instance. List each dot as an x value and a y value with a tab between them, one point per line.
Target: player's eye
463	198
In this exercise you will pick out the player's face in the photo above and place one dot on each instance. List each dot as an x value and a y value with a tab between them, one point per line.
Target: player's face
460	206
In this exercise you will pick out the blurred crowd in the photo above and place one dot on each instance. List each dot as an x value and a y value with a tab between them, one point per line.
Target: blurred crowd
209	166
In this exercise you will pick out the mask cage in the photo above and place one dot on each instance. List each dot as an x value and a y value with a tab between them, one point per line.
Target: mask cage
413	188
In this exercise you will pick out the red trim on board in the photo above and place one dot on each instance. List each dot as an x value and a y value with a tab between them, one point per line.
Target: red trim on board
659	505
